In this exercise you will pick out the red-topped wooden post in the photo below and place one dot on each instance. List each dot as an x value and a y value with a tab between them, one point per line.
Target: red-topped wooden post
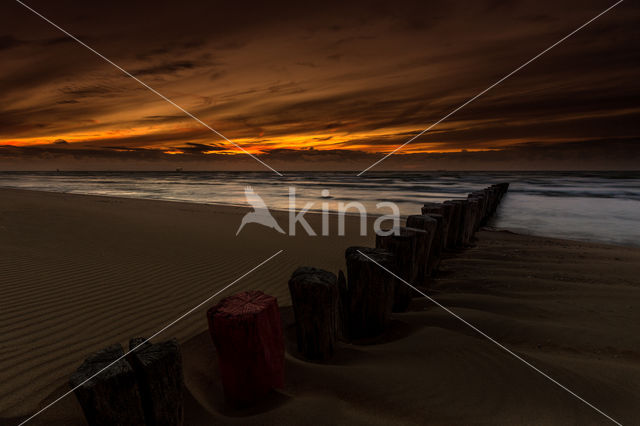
247	332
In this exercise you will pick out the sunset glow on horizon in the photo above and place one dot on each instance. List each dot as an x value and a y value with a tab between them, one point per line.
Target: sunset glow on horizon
320	91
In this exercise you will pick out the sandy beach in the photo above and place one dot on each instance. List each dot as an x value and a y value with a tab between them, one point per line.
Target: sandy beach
78	273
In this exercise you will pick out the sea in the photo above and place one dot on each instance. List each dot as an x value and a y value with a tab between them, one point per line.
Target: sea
589	206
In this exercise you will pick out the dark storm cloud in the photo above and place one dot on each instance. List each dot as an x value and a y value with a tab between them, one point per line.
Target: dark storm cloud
8	42
89	91
163	118
198	148
140	141
377	72
165	68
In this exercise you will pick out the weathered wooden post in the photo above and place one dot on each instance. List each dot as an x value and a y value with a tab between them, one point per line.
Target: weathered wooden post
500	193
465	223
482	206
446	211
403	247
437	246
502	188
481	196
487	208
427	226
482	201
112	397
369	292
314	294
454	224
247	332
343	309
493	196
474	209
158	368
469	221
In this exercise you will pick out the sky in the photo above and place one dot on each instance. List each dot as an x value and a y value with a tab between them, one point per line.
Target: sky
319	85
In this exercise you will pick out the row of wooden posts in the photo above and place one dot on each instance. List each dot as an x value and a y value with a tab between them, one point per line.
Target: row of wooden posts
146	386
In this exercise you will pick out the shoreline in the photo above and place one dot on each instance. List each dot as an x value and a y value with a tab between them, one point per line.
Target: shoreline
221	205
235	207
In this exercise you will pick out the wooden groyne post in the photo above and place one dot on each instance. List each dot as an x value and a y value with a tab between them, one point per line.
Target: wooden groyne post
427	227
403	245
158	368
143	388
368	296
247	331
314	295
446	211
113	396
